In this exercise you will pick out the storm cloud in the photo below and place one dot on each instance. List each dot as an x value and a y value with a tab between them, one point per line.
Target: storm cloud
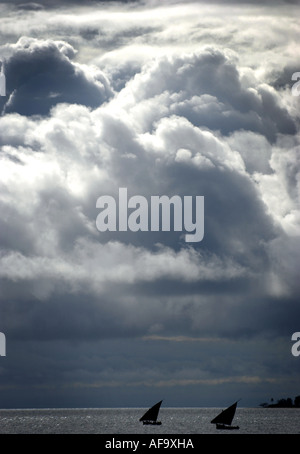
40	74
119	96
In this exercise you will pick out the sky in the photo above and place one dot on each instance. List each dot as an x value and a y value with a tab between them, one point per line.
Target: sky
162	98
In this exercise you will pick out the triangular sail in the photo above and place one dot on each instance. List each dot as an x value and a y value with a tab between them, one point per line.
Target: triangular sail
152	413
226	416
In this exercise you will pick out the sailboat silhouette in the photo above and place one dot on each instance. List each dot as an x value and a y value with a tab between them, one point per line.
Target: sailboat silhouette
224	419
150	417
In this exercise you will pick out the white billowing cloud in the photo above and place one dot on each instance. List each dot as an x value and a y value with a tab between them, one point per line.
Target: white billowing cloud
205	149
280	192
206	87
254	149
200	122
49	190
95	265
280	188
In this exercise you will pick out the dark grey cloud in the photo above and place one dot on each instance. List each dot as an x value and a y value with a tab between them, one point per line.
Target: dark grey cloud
54	4
41	75
30	6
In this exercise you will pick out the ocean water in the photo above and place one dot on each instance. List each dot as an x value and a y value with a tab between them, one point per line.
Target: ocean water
126	421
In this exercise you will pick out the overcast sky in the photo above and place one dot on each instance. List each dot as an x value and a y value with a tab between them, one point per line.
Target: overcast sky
188	98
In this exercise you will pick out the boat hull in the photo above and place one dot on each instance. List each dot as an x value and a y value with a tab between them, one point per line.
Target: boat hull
226	427
153	423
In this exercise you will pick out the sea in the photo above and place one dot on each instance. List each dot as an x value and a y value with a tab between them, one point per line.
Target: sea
177	421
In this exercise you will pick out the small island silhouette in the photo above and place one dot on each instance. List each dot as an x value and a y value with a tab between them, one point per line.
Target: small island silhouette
283	403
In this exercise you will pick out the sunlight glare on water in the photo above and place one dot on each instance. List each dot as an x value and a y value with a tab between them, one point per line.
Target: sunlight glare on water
126	421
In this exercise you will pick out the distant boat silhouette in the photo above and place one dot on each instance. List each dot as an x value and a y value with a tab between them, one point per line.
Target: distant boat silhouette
224	419
150	417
